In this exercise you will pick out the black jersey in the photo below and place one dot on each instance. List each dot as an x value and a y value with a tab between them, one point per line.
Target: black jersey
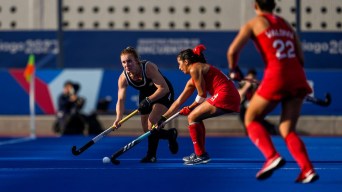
146	87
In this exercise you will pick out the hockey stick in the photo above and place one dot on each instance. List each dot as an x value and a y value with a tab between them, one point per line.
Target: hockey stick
321	102
317	101
136	141
100	136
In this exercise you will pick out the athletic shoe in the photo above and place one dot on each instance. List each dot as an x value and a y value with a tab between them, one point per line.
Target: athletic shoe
187	158
148	159
270	166
173	145
194	159
307	177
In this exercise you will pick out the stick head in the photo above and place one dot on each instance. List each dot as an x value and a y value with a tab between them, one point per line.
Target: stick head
327	99
115	162
74	151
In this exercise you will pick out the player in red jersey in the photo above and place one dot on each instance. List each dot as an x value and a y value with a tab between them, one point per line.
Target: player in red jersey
284	82
205	79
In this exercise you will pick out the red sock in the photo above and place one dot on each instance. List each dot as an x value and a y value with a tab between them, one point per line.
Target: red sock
298	151
202	128
262	140
196	134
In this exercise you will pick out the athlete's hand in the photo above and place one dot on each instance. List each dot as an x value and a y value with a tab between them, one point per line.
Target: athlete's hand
144	104
236	74
185	111
116	124
160	122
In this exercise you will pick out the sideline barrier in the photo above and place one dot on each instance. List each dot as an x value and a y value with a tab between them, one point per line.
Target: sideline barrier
227	125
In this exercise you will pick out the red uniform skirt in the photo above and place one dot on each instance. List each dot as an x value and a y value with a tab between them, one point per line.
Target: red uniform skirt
288	83
228	100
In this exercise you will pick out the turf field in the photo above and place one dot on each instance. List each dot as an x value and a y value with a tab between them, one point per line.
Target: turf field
47	164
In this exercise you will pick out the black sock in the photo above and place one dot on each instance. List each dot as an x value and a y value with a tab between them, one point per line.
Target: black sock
153	141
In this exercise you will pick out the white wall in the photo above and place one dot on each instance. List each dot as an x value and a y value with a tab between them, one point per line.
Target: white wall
316	15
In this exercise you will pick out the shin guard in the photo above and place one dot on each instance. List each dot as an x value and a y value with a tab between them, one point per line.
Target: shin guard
298	151
196	134
262	140
153	141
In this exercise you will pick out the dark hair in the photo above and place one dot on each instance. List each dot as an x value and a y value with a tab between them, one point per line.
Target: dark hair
252	72
193	55
266	5
75	86
130	50
68	82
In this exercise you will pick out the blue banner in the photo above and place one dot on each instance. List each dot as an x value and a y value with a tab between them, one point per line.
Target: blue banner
101	49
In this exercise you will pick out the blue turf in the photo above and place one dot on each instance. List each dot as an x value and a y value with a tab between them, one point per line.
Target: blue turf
46	164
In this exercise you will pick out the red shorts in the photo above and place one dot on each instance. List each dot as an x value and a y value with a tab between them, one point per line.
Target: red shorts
226	100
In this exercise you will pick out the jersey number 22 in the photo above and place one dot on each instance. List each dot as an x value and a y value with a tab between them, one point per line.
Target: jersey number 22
284	49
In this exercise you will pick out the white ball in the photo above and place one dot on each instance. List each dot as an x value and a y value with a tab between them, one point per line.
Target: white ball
106	160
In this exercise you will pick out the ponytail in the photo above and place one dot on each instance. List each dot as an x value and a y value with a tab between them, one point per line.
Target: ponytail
199	49
193	55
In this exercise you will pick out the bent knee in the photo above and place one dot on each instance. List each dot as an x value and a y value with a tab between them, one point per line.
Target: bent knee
193	117
248	120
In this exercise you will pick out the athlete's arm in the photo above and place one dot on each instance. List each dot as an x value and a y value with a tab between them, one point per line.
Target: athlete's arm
196	74
187	92
244	89
238	43
120	104
153	73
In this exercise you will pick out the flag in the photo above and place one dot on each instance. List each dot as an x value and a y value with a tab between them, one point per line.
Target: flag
29	68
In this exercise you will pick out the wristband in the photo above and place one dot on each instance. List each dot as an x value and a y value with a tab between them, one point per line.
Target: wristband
199	99
148	100
163	118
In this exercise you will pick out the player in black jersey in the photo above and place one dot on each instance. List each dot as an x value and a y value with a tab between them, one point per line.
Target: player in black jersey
155	97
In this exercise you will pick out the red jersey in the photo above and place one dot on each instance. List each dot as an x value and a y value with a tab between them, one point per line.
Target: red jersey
222	90
284	75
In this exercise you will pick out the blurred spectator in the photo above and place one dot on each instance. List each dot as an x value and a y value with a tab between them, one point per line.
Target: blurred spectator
94	125
247	88
69	118
103	105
